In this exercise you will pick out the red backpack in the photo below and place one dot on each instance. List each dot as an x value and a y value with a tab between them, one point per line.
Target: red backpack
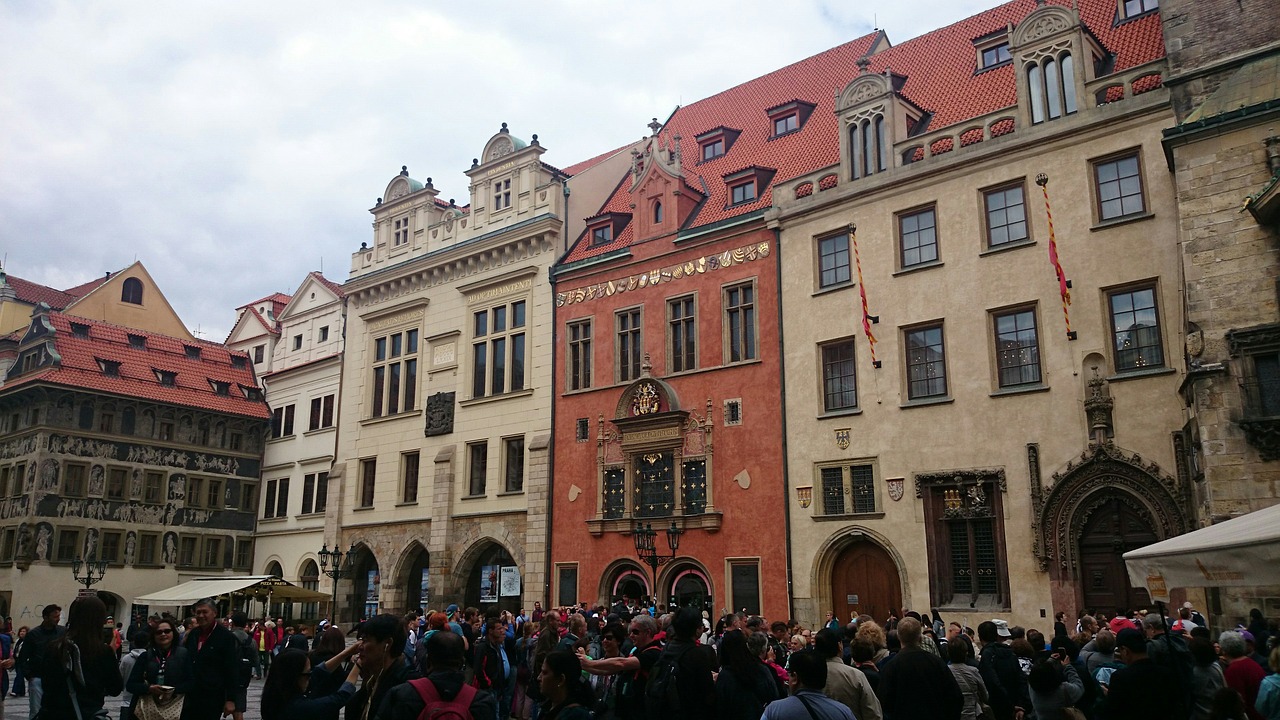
435	708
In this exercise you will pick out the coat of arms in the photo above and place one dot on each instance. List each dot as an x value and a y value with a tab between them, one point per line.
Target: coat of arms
896	488
645	401
842	438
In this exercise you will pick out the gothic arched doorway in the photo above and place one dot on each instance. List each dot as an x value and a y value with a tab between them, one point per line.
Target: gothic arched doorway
367	586
1113	528
484	588
413	580
689	588
864	579
624	580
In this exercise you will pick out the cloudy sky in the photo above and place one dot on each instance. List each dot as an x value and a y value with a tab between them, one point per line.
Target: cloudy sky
234	146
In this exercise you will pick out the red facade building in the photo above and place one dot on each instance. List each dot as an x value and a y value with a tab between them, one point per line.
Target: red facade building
668	406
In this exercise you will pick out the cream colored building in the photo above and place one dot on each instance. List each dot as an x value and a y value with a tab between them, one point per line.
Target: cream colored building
446	399
988	464
296	342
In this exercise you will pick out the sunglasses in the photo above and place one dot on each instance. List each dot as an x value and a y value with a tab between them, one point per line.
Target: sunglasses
164	632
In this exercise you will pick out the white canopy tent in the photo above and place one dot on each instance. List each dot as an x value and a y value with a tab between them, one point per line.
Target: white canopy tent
256	586
1241	552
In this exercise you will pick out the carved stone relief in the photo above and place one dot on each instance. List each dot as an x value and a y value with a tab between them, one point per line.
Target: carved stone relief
440	408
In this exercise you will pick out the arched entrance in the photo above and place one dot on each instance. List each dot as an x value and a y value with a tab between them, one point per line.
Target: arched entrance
1114	527
688	586
413	579
309	579
864	580
366	586
630	585
484	588
115	606
278	609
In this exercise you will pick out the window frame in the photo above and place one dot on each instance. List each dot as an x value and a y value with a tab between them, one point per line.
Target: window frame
477	476
410	477
1109	295
820	254
823	391
579	360
397	373
934	488
727	311
711	144
634	339
685	327
483	383
366	491
849	486
994	316
69	545
81	488
601	234
1122	9
907	365
731	587
985	195
731	192
790	120
1096	184
900	219
508	487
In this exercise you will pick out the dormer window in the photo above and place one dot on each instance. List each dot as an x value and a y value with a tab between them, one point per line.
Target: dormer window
401	227
745	186
602	235
993	55
606	227
110	368
869	145
138	342
789	117
501	195
1051	82
251	393
192	351
742	192
166	377
80	330
239	362
1134	8
716	142
657	212
219	387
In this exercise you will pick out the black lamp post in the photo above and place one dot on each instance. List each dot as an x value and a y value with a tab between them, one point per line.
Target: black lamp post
94	570
332	565
645	536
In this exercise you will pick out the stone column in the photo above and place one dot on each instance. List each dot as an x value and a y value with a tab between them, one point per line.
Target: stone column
444	588
536	529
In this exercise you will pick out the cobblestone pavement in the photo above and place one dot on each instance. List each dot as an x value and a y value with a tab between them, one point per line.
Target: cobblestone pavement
15	708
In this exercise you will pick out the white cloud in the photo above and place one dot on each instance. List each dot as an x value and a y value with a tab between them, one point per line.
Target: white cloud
234	146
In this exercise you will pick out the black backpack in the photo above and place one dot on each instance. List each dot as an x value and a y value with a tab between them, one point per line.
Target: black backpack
248	653
661	693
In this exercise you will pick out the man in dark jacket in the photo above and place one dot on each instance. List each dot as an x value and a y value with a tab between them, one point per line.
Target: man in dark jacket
32	655
213	667
445	651
1141	690
1005	681
694	664
494	667
905	678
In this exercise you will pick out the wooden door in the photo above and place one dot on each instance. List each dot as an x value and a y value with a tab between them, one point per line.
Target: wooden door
1114	529
864	580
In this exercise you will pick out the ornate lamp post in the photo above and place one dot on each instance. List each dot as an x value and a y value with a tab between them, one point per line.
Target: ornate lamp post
644	536
335	563
94	570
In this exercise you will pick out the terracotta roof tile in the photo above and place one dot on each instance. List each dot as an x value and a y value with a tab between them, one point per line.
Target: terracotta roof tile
79	368
277	299
35	293
334	287
576	168
939	68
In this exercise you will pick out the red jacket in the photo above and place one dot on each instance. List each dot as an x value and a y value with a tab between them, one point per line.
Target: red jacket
264	640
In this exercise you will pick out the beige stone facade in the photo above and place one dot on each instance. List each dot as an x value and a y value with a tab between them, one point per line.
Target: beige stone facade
446	397
977	467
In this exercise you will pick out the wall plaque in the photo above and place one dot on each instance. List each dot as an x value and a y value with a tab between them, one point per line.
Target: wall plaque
440	414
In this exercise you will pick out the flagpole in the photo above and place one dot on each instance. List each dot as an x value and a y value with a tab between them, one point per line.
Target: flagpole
1064	285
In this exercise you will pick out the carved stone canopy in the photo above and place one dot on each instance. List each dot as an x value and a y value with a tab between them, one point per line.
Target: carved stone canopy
1043	22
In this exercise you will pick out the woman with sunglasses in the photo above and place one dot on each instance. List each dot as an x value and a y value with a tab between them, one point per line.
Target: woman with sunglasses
161	672
284	693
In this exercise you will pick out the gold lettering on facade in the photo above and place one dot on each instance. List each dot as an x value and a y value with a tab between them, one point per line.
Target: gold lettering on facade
640	436
508	289
401	319
729	258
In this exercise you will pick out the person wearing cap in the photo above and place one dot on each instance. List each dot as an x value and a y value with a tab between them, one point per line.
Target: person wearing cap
1001	672
1251	649
1141	690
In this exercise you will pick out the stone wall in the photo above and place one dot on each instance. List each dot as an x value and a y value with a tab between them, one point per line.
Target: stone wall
1199	35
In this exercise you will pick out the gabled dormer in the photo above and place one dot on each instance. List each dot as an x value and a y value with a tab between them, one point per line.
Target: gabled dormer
746	186
1054	56
716	143
874	116
661	199
604	228
788	117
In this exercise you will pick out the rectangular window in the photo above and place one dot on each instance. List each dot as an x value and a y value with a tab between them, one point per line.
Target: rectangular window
744	578
1006	215
195	492
833	500
740	322
656	488
322	492
216	500
368	476
269	507
601	235
73	480
847	488
582	430
995	55
742	193
926	363
323	335
147	544
244	554
693	485
5	473
566	585
401	228
580	354
395	377
106	420
1137	7
682	334
282	498
212	552
409	477
477	468
258	351
839	376
19	486
68	545
8	546
966	538
248	496
1017	348
833	260
502	195
918	238
282	421
308	493
117	483
629	344
187	551
1119	187
153	488
513	464
297	342
712	149
786	124
498	350
615	493
109	547
1135	329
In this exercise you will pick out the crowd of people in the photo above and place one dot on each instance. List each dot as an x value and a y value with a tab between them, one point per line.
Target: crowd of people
636	663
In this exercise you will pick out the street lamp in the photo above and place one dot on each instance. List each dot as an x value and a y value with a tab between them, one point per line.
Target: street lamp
645	536
94	570
332	565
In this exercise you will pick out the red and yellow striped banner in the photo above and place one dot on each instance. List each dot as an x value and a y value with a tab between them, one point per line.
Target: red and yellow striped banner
1064	287
862	290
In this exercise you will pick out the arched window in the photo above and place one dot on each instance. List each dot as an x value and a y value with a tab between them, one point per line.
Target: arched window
131	292
657	212
868	147
1052	86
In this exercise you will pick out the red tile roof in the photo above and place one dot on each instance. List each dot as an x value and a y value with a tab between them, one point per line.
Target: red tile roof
277	299
939	67
579	167
34	293
79	368
334	287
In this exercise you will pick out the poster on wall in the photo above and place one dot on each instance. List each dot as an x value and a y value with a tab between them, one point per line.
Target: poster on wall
488	583
424	593
371	593
509	584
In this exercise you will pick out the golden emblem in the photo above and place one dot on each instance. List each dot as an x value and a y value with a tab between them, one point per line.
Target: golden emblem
842	438
645	401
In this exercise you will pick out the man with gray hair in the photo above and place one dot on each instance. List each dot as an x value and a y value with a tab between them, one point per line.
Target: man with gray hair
213	665
916	684
1242	674
633	669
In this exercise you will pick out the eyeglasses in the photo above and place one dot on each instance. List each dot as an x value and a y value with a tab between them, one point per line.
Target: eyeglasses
164	632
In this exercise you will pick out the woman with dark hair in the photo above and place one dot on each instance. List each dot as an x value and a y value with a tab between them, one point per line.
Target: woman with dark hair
745	684
972	686
1206	677
161	672
605	686
567	695
284	694
79	670
546	641
381	648
1055	687
332	645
